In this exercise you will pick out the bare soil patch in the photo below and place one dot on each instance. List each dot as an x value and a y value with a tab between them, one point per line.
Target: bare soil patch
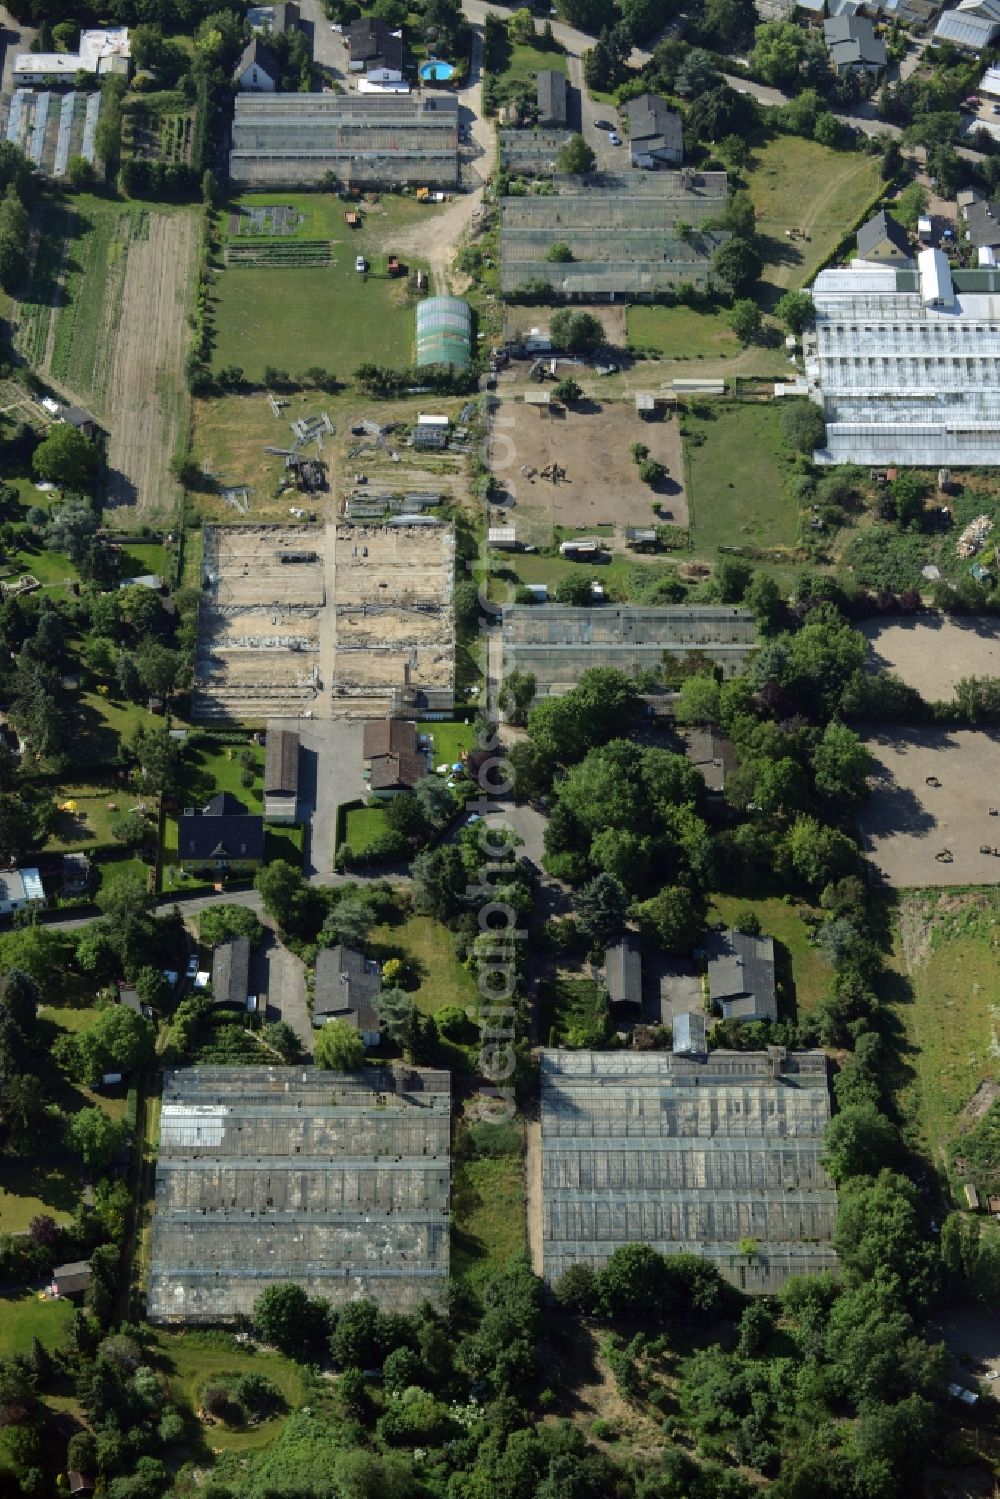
322	621
932	793
518	321
933	653
601	485
146	389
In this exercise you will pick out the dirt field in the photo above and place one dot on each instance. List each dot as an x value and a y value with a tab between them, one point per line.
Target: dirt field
146	392
231	433
934	654
351	618
519	321
602	484
907	821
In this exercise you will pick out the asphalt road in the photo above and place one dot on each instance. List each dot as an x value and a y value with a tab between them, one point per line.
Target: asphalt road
330	772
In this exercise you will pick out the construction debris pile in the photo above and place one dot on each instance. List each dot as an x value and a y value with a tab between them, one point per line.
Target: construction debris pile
973	538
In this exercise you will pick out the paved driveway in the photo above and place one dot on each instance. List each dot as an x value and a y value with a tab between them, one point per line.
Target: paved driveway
14	38
329	46
330	772
280	975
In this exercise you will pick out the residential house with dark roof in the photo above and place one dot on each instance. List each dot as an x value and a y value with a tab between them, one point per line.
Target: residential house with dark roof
71	1279
223	836
853	45
395	760
623	970
741	977
655	132
982	224
711	753
281	776
76	873
375	48
347	988
885	240
553	105
231	974
75	416
258	70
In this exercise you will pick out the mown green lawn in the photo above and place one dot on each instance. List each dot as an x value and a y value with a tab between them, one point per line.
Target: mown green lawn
737	477
191	1359
209	767
427	948
680	332
24	1318
450	739
526	62
89	823
147	557
362	825
328	316
810	971
105	722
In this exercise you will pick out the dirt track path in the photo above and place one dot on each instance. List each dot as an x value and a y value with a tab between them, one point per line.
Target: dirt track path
437	239
147	399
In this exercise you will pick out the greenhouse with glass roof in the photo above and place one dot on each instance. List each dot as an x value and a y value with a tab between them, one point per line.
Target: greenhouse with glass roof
444	332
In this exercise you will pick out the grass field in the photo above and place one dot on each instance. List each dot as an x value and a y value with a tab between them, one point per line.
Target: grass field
487	1214
810	971
209	767
24	1318
361	826
736	465
36	1188
525	62
947	948
688	332
190	1359
89	824
799	184
449	739
328	316
105	723
46	566
572	1010
427	949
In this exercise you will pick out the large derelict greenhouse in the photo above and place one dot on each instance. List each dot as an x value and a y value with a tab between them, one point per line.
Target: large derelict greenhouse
556	642
365	140
905	362
627	237
717	1155
444	332
339	1183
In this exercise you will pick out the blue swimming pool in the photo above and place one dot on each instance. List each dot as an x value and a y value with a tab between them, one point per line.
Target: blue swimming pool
434	71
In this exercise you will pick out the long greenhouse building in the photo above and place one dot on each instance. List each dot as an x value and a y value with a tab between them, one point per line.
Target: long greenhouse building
905	363
339	1183
366	140
556	642
718	1155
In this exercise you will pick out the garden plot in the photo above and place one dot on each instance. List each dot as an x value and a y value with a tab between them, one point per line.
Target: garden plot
933	654
927	821
147	398
599	483
324	621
